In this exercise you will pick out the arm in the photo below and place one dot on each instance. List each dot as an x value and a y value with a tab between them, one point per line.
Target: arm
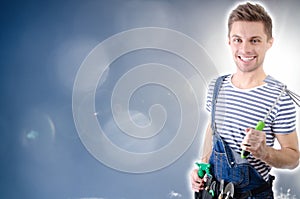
287	157
198	183
207	145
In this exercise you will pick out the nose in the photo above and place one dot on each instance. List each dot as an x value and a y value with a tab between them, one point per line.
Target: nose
246	47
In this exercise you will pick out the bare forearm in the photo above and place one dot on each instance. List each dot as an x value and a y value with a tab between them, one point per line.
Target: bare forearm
205	156
285	158
207	145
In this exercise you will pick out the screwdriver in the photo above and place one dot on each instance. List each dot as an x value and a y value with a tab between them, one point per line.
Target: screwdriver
261	124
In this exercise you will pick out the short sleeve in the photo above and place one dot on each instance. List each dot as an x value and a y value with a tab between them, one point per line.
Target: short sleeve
285	120
210	94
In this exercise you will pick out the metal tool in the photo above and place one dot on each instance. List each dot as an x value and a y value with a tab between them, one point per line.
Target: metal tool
212	188
227	195
208	182
261	124
221	189
229	190
295	97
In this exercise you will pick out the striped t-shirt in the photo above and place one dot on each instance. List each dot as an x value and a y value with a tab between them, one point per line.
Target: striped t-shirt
238	109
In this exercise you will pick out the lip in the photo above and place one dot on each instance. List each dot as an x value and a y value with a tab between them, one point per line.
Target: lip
246	59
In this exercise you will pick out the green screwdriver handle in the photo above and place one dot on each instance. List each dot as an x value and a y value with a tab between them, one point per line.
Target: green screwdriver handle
204	168
259	126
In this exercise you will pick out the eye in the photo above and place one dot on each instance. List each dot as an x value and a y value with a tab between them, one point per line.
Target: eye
255	41
237	40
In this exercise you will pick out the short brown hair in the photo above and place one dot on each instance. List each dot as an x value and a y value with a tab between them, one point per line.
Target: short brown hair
251	12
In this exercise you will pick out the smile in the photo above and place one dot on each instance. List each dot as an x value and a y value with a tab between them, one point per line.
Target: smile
246	59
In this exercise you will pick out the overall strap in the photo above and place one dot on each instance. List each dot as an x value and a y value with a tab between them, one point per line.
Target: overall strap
216	90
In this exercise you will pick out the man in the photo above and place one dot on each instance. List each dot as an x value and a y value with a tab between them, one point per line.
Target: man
243	99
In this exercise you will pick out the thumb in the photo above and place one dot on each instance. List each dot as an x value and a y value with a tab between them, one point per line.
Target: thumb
247	130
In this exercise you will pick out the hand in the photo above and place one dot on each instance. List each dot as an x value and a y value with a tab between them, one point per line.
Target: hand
197	183
255	143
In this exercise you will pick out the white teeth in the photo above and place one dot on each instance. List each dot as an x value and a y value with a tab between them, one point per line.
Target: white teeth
246	59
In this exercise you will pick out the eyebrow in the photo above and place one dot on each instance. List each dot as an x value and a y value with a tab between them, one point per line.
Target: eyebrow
254	37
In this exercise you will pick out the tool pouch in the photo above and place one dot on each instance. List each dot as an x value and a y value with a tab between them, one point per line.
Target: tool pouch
214	192
208	193
204	195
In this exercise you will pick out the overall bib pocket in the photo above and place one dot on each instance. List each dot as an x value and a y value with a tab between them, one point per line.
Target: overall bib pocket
230	172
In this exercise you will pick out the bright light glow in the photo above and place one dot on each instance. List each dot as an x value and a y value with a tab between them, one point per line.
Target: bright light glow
174	194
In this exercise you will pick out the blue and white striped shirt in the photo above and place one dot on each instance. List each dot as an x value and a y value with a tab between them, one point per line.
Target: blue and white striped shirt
238	109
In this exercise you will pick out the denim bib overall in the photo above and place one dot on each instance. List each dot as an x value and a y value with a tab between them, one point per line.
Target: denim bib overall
227	164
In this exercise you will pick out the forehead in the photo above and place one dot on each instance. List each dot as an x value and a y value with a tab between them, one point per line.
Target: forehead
248	29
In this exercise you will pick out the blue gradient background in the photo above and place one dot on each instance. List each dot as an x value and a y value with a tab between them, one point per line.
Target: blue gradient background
43	44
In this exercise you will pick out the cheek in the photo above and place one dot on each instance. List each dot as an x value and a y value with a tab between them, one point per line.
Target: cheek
234	49
261	51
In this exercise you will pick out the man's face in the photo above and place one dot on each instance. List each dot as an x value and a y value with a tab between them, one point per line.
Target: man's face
249	44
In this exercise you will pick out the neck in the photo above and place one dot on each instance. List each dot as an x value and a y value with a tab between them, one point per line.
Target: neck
248	80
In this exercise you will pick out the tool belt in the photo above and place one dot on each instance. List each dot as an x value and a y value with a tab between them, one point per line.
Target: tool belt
216	190
220	190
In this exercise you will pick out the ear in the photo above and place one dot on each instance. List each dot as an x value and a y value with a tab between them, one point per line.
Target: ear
228	40
270	42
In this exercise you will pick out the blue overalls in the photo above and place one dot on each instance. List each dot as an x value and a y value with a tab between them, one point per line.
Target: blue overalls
227	164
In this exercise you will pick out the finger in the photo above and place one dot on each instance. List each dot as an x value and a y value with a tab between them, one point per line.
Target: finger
246	142
196	182
252	137
197	186
245	147
247	137
252	133
194	175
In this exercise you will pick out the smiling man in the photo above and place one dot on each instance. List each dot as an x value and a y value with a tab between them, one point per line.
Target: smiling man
236	103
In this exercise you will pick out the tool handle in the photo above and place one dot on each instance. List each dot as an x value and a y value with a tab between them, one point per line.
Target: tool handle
204	168
259	126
